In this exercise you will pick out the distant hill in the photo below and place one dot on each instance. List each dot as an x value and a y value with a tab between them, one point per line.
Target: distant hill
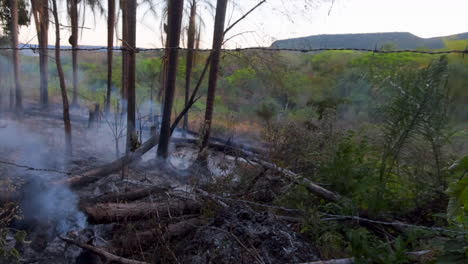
32	51
399	40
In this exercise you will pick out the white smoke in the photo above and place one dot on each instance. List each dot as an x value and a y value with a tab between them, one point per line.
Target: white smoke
43	201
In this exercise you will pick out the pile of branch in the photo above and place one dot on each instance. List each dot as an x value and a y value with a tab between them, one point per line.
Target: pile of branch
163	220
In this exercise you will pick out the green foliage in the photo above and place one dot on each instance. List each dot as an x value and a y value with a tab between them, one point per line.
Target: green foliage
416	105
241	76
457	209
5	15
267	110
9	212
366	248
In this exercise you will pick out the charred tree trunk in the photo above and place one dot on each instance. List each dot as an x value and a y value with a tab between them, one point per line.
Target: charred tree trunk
110	46
191	32
16	60
81	179
218	37
131	46
74	44
40	10
175	9
63	89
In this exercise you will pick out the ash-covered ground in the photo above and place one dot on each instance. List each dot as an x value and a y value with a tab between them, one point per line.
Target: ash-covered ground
178	223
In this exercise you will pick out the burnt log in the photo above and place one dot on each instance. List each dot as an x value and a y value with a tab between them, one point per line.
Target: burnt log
126	196
90	176
104	213
135	242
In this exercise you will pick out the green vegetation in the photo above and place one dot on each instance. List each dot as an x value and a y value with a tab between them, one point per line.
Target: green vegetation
386	131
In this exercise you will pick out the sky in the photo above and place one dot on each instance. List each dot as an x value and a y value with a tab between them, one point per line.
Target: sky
280	19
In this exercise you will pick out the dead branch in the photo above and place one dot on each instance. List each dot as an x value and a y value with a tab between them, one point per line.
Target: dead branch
116	212
311	186
108	256
244	16
333	217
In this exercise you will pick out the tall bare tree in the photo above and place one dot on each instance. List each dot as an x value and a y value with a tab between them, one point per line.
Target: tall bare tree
130	40
191	34
40	10
110	45
73	13
16	60
123	7
218	36
175	9
63	88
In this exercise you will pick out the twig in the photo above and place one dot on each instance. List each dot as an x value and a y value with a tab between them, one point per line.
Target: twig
244	16
108	256
333	217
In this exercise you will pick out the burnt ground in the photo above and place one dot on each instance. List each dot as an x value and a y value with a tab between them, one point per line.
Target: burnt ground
221	231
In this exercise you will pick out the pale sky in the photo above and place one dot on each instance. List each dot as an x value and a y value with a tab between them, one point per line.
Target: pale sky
280	19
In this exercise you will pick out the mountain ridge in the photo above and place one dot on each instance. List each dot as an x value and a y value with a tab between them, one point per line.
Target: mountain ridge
398	40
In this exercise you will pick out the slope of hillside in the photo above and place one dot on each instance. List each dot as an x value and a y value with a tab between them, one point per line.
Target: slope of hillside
400	40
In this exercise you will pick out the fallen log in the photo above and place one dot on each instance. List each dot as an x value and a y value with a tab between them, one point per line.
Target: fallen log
143	240
126	196
101	252
311	186
90	176
104	213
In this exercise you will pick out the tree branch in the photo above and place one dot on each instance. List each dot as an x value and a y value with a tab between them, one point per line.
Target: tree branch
108	256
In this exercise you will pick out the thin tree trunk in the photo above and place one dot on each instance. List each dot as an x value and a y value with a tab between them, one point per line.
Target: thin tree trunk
110	45
74	43
40	10
131	45
190	56
123	6
175	9
16	60
218	36
197	42
63	89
